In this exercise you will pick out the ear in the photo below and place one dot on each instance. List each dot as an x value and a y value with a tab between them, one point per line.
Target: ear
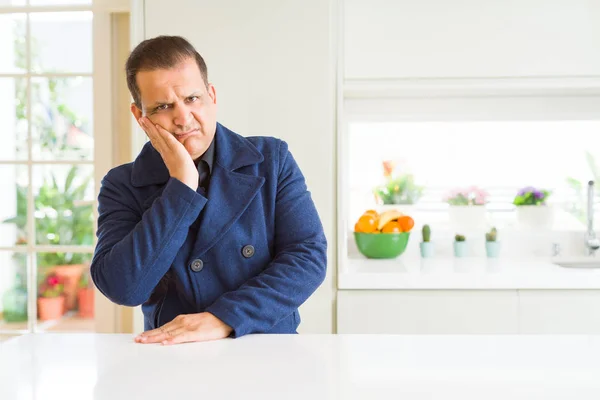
212	93
137	113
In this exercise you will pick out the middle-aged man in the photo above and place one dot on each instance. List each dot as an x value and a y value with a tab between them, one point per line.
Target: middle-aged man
215	234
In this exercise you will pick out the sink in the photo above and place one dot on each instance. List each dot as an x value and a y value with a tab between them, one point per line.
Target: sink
579	264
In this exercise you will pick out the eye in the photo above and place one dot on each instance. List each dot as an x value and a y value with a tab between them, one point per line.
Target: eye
162	107
191	99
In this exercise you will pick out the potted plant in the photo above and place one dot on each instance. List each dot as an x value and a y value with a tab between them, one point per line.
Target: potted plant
398	188
62	218
85	297
51	302
467	207
533	210
460	246
492	246
427	249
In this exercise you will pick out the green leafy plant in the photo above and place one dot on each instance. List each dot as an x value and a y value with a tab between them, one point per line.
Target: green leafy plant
426	231
84	281
399	190
469	196
460	238
62	218
491	235
531	196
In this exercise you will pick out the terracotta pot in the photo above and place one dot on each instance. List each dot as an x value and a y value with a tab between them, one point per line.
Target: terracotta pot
51	307
70	275
85	299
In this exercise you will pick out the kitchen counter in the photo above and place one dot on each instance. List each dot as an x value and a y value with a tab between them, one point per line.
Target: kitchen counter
113	367
465	273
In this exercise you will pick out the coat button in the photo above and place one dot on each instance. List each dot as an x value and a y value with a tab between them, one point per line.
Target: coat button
248	251
197	265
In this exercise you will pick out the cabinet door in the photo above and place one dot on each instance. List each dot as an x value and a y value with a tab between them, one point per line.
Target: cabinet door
559	311
471	38
427	312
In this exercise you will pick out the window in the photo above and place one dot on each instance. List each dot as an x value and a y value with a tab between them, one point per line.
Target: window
499	157
47	166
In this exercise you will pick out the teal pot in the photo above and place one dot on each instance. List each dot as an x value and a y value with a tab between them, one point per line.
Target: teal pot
492	249
14	303
460	249
427	249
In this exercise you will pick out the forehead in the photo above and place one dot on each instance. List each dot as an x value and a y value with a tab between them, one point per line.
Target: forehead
162	83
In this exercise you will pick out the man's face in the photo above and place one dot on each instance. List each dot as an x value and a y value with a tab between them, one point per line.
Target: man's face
178	100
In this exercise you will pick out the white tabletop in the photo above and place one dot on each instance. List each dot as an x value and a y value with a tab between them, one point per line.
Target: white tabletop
466	273
112	367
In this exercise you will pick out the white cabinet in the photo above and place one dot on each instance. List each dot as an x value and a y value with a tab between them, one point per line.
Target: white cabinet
559	311
470	38
469	311
427	311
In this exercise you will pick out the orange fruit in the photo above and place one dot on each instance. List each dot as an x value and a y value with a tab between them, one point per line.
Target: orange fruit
366	224
406	223
374	213
391	227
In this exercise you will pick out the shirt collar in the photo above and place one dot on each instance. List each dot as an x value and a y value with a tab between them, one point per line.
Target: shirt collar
209	155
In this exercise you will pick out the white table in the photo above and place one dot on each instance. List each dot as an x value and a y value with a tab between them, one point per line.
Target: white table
112	367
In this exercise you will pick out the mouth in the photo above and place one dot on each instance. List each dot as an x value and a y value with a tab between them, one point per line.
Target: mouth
185	135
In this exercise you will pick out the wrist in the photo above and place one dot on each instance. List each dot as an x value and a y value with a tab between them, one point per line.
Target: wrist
190	182
220	324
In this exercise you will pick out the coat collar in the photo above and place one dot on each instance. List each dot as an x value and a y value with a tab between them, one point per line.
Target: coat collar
233	151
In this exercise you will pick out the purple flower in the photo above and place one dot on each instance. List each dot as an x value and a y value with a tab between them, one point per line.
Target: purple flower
538	195
526	189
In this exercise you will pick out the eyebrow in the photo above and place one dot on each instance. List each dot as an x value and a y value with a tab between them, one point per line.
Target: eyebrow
160	103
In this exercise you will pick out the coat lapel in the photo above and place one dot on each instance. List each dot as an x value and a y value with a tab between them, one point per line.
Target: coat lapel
230	192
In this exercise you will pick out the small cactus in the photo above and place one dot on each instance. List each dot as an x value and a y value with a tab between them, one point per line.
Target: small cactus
460	238
491	235
426	233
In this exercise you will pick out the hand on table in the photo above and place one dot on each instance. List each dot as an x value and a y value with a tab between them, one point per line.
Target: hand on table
187	328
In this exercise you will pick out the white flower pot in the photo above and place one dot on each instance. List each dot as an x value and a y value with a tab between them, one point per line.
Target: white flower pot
467	218
535	217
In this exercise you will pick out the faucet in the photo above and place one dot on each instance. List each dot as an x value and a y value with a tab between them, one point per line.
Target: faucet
591	242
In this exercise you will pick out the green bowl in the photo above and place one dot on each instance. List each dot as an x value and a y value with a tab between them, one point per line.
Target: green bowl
381	245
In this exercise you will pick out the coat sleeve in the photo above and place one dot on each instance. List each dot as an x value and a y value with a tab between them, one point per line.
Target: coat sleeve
135	251
297	269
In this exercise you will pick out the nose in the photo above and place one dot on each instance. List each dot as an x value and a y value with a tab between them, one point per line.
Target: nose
182	115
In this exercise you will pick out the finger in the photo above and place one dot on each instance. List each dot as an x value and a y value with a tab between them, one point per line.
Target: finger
181	336
166	136
166	327
167	335
152	133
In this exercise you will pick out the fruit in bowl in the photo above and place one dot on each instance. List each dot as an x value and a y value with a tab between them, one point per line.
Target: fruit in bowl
382	235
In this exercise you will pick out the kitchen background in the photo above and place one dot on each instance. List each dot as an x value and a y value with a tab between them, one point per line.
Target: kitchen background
442	96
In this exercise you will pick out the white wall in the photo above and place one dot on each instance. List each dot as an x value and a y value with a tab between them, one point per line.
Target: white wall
271	63
470	38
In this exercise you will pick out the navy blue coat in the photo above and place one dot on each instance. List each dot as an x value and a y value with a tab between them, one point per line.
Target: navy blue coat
150	223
